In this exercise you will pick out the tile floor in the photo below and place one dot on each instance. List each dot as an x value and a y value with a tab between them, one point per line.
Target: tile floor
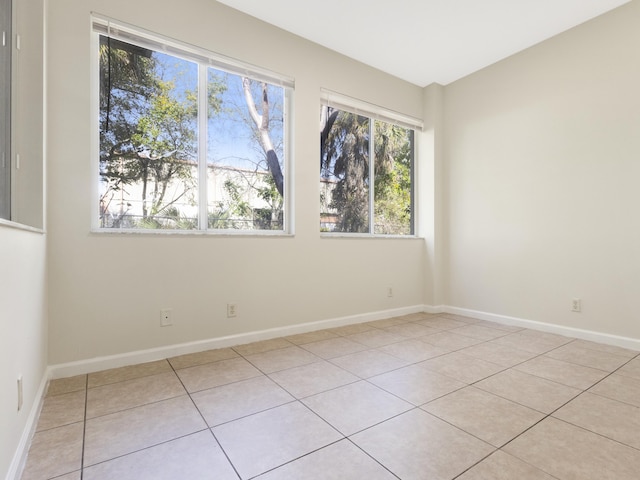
434	397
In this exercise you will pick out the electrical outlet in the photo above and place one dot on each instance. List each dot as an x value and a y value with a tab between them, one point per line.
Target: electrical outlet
389	291
20	394
576	305
232	310
165	317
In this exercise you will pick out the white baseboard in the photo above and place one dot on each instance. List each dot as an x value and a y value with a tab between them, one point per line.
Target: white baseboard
20	457
141	356
434	309
608	339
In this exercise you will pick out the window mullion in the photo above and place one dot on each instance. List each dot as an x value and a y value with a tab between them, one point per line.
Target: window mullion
371	174
412	226
203	180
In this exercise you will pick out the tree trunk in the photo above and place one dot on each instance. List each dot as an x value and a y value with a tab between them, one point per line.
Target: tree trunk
262	124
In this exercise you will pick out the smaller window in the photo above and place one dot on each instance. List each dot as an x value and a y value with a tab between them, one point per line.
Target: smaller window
366	170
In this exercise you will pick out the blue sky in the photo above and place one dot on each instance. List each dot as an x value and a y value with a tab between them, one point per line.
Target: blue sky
231	140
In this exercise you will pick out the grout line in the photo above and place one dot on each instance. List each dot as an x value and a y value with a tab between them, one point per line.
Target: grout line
126	379
205	422
84	425
550	415
144	448
296	459
371	457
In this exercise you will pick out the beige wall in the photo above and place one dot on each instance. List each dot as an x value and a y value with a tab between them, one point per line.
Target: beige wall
23	343
431	194
526	194
23	292
106	291
542	155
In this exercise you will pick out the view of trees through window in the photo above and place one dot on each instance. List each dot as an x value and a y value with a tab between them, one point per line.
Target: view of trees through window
349	142
175	157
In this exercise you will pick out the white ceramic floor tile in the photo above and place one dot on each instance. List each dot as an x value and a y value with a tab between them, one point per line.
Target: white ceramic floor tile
489	417
267	440
334	347
528	390
125	432
313	378
230	402
63	409
619	387
416	384
616	420
631	369
281	359
589	357
498	354
369	363
502	466
462	367
418	446
196	456
480	332
570	374
569	452
129	372
340	461
115	397
200	358
414	350
356	406
54	452
215	374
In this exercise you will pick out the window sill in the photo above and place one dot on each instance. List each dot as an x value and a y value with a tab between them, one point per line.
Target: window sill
20	226
191	233
361	236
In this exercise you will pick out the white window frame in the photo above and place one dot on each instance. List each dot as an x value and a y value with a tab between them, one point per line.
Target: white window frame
101	25
374	112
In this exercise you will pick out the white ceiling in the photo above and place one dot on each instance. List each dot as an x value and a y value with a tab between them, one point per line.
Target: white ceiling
426	41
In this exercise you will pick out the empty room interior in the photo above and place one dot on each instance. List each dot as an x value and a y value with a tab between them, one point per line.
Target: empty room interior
394	240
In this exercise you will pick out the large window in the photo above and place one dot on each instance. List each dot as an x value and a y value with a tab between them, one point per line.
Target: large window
5	109
188	140
366	171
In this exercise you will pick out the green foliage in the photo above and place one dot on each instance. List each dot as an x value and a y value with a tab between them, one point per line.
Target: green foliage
237	213
232	214
170	219
392	193
216	87
148	137
345	157
345	162
270	218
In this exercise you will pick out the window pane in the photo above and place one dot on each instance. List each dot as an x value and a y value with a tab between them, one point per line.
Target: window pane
148	138
393	178
344	172
245	157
